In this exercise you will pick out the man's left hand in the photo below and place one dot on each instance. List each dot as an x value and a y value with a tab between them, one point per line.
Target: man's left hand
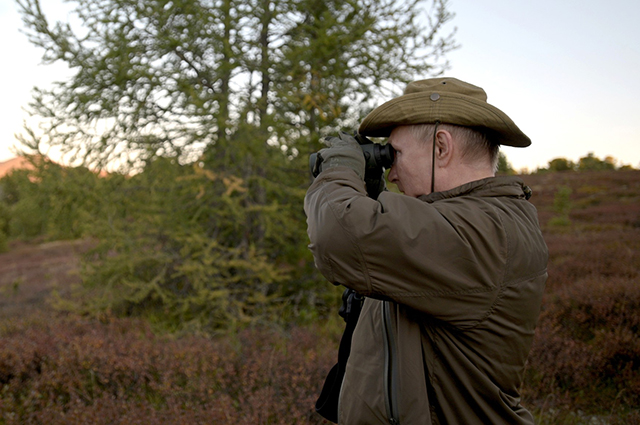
344	151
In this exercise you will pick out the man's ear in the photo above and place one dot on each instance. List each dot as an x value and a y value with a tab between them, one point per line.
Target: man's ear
445	148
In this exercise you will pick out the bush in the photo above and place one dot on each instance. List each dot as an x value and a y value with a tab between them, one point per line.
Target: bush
562	207
588	346
75	371
4	226
585	358
189	247
50	202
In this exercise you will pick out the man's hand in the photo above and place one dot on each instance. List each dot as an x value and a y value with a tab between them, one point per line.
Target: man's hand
344	151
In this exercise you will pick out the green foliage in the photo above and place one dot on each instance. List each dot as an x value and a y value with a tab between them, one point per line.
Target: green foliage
51	201
210	108
177	78
562	207
586	163
189	247
504	166
4	222
561	164
583	367
592	163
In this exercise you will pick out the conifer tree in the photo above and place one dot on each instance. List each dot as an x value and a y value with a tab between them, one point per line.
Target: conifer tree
181	77
215	105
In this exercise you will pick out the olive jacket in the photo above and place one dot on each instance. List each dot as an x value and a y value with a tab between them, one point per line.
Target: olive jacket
454	284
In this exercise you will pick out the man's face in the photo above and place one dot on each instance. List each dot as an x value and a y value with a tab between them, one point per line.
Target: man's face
411	169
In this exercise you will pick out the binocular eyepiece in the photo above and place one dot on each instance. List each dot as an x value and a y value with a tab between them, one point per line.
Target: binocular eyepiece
377	157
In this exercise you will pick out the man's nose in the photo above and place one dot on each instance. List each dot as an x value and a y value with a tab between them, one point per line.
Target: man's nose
392	177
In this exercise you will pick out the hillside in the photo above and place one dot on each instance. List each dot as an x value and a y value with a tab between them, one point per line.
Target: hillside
18	163
607	198
584	366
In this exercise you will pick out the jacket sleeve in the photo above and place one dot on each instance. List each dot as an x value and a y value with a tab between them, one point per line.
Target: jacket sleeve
445	259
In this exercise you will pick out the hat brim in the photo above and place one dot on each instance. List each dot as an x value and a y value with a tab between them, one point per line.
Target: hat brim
446	108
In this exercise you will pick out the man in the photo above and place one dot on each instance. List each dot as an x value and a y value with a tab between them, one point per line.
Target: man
453	270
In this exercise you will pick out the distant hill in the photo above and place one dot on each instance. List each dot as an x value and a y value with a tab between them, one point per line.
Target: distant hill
22	163
18	163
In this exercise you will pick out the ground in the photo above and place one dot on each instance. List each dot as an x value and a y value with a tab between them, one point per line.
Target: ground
29	273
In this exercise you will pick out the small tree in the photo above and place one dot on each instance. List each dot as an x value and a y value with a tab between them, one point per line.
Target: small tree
227	78
593	163
49	201
214	105
562	207
504	166
561	164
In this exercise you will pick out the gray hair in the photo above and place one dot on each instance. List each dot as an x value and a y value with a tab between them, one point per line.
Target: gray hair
476	145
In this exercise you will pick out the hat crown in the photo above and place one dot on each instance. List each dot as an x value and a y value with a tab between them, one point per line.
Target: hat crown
446	100
446	85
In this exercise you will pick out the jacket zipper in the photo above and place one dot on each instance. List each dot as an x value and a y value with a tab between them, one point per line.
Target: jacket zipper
390	367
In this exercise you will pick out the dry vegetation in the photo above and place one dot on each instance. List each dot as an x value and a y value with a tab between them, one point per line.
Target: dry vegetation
58	368
76	371
585	363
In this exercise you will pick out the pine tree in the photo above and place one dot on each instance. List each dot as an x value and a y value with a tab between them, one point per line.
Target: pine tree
214	105
180	77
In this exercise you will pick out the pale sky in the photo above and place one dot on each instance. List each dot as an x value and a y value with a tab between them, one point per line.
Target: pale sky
566	71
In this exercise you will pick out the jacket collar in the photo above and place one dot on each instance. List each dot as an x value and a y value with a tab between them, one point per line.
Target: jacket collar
510	186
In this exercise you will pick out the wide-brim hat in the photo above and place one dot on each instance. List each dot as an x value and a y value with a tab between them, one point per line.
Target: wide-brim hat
448	101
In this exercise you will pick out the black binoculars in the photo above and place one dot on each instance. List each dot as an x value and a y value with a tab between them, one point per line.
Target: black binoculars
377	157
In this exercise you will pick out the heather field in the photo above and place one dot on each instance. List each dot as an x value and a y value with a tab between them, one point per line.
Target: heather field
63	368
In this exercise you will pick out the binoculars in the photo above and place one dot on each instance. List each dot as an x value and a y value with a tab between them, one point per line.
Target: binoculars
377	157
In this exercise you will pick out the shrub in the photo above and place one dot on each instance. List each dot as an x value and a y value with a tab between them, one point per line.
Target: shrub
584	365
50	201
588	342
70	370
189	247
562	207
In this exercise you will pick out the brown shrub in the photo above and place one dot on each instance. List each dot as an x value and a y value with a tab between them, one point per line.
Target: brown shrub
608	253
587	346
76	371
586	353
585	357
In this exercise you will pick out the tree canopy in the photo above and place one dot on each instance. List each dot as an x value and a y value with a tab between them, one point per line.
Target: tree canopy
185	77
590	162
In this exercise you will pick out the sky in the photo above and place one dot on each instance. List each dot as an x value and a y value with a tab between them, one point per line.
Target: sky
566	71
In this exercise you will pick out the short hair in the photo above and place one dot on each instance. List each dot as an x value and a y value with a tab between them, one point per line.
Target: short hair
476	144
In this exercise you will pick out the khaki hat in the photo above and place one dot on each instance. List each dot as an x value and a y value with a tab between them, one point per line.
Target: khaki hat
449	101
